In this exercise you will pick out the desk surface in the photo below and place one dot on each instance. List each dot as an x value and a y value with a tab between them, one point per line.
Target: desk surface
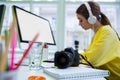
24	73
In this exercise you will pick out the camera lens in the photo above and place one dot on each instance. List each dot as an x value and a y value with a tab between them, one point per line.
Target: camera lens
63	59
68	57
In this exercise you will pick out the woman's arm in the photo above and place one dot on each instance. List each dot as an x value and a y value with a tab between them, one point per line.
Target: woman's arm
103	47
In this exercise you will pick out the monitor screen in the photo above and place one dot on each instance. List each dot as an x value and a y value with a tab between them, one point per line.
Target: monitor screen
2	13
30	24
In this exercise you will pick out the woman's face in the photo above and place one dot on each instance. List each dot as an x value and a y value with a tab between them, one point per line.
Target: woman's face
83	22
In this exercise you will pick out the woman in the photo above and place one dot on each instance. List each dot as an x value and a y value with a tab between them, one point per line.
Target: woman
104	50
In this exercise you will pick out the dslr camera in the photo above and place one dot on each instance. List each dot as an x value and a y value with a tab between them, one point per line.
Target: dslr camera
66	58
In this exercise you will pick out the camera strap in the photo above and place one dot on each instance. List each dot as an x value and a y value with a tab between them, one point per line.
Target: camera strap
86	60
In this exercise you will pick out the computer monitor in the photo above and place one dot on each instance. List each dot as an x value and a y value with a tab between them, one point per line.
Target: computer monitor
2	13
30	24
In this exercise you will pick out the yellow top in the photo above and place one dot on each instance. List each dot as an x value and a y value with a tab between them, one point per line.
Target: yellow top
104	51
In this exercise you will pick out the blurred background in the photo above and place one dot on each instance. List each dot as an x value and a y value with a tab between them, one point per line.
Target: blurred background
63	20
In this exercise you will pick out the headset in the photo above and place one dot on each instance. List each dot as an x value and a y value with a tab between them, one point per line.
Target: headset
91	19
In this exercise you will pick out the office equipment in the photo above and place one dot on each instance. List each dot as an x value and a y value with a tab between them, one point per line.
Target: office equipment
66	58
73	73
29	24
2	13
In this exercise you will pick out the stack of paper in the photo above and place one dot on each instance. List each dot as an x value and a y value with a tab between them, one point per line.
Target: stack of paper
76	73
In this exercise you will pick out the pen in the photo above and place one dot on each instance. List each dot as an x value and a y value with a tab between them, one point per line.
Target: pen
14	43
48	61
6	51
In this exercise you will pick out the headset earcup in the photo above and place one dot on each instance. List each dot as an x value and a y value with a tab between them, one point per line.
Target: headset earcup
92	19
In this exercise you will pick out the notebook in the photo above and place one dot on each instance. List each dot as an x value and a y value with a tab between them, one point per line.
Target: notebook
76	73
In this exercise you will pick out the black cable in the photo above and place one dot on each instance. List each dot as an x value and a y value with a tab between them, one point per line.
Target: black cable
87	61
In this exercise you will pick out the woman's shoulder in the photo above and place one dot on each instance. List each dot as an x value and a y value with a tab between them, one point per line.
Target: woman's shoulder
109	31
106	29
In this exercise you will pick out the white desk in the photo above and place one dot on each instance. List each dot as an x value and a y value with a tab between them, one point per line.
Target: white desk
24	73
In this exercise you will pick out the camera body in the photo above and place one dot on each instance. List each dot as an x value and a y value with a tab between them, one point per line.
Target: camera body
66	58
